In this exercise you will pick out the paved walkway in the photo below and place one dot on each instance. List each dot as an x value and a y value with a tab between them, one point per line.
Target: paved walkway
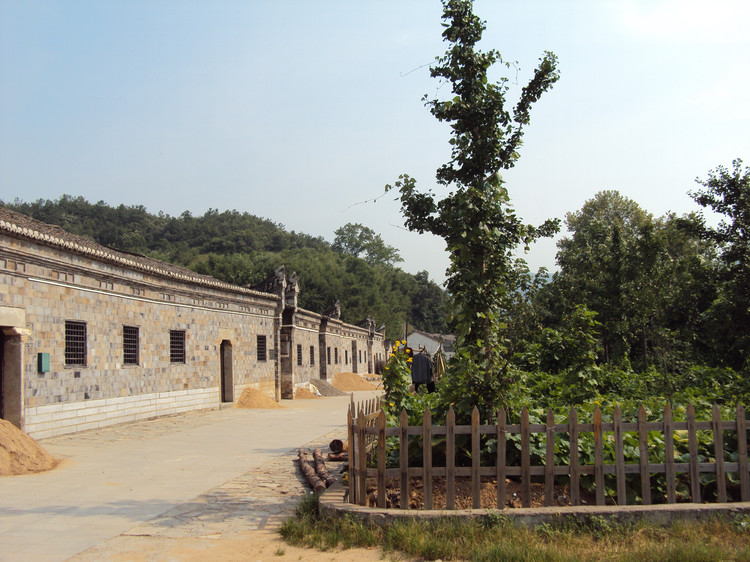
201	474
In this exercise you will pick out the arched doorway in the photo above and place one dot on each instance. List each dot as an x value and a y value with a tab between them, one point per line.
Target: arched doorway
227	379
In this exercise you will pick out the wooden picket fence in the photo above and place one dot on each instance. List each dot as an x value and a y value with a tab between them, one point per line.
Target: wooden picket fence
368	433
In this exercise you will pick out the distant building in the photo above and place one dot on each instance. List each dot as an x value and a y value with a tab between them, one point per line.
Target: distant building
431	342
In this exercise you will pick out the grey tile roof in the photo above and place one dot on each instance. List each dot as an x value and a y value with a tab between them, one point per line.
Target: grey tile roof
22	226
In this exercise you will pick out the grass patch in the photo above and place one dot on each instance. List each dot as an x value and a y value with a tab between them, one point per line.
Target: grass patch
497	538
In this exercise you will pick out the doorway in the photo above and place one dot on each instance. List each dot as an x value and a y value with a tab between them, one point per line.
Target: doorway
2	372
11	380
354	357
227	379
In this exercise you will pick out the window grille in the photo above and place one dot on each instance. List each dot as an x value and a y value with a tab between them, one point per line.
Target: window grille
261	340
75	343
312	355
346	357
130	345
336	355
328	353
299	354
177	346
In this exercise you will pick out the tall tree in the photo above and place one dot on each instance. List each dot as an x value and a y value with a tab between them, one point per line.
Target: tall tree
647	279
360	241
727	192
475	219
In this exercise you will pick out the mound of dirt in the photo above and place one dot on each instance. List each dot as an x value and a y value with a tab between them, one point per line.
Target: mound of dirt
254	398
326	389
20	454
303	393
352	381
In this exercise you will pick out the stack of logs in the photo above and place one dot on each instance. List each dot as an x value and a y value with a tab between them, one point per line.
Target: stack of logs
318	477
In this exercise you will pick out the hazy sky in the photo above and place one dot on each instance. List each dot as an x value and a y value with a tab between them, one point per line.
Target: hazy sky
297	111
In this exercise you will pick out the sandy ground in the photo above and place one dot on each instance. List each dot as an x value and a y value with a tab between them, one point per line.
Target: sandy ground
250	546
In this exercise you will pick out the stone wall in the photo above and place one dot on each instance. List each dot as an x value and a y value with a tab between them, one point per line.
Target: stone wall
234	337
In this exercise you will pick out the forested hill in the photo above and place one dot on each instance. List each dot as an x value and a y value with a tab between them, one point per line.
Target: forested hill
243	249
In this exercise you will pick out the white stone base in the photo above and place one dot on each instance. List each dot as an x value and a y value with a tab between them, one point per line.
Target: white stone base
58	419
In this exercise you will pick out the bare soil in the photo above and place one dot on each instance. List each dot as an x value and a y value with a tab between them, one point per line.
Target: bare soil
488	494
352	381
250	546
254	398
303	393
20	454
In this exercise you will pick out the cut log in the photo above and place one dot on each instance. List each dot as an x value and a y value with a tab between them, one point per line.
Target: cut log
309	473
338	446
320	468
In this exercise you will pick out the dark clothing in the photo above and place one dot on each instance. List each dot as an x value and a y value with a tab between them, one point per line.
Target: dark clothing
421	368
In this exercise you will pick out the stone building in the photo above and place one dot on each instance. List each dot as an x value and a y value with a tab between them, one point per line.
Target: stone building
90	336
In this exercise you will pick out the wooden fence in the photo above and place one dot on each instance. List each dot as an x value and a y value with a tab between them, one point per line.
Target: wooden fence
368	434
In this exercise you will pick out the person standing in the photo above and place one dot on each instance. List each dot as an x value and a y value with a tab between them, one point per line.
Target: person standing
421	370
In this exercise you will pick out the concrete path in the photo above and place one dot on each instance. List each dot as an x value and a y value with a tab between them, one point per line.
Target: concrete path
114	479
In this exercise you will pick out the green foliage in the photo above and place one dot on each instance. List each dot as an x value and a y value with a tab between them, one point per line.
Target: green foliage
396	384
476	221
355	239
649	280
727	192
497	538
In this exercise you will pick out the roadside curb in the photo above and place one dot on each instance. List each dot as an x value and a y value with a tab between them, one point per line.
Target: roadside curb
332	504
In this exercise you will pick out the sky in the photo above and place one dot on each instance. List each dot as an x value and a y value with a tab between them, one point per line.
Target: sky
301	111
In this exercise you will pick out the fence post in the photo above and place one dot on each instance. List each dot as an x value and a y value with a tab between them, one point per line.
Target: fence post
476	500
450	459
721	480
404	459
742	453
643	457
525	460
427	458
695	483
362	458
598	457
575	477
352	457
549	460
669	455
381	459
622	498
501	460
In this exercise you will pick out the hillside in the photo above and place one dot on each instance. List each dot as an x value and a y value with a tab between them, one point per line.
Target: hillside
243	249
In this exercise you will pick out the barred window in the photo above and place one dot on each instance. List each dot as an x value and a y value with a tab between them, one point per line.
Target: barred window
177	346
130	345
346	357
328	352
312	355
75	343
336	355
299	354
261	348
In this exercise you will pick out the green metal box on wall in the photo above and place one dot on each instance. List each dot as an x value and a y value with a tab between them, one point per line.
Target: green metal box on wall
43	362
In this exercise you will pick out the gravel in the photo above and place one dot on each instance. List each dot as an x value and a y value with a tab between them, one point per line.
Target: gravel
327	389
